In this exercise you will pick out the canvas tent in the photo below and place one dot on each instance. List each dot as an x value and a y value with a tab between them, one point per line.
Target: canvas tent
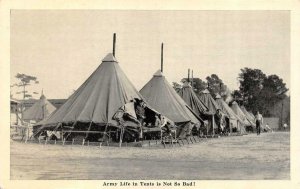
15	112
234	120
212	106
95	103
40	110
192	100
162	97
237	110
248	115
208	100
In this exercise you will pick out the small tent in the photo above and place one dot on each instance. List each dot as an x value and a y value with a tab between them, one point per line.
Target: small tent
40	110
162	97
237	110
234	120
248	115
191	99
208	100
212	106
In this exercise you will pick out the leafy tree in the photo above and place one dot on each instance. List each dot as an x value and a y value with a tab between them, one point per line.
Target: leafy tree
273	91
176	86
251	84
237	96
24	81
198	84
258	91
216	85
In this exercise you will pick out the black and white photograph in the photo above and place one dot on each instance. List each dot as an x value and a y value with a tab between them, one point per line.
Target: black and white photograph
150	98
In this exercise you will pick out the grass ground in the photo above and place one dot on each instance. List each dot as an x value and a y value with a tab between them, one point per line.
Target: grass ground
241	157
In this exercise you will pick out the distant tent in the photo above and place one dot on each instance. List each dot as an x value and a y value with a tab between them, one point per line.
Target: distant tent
237	110
192	100
162	97
40	110
248	115
15	112
233	118
211	104
97	100
208	100
252	115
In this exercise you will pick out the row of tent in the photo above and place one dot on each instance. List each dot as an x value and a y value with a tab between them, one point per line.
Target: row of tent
97	100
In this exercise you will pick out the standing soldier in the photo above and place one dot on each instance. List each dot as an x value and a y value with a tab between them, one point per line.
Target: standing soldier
259	121
140	114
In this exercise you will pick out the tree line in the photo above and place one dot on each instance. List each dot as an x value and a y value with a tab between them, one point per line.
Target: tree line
257	91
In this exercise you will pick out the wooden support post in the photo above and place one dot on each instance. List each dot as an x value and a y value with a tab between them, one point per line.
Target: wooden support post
213	125
178	143
88	143
121	136
63	142
55	141
83	140
89	128
194	139
72	141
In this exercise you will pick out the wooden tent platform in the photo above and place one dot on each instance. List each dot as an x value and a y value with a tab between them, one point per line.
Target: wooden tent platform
145	143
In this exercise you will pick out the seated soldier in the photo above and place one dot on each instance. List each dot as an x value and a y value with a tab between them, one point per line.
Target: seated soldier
157	121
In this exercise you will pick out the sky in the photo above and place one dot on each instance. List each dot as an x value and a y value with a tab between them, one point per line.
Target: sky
63	47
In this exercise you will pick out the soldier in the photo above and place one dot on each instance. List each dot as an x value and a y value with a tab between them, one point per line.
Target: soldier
258	121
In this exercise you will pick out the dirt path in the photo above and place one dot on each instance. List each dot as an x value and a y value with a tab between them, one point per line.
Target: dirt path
246	157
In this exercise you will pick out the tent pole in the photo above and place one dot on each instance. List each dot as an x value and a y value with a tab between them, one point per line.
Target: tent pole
213	125
192	80
71	129
105	130
87	134
162	58
121	136
114	45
